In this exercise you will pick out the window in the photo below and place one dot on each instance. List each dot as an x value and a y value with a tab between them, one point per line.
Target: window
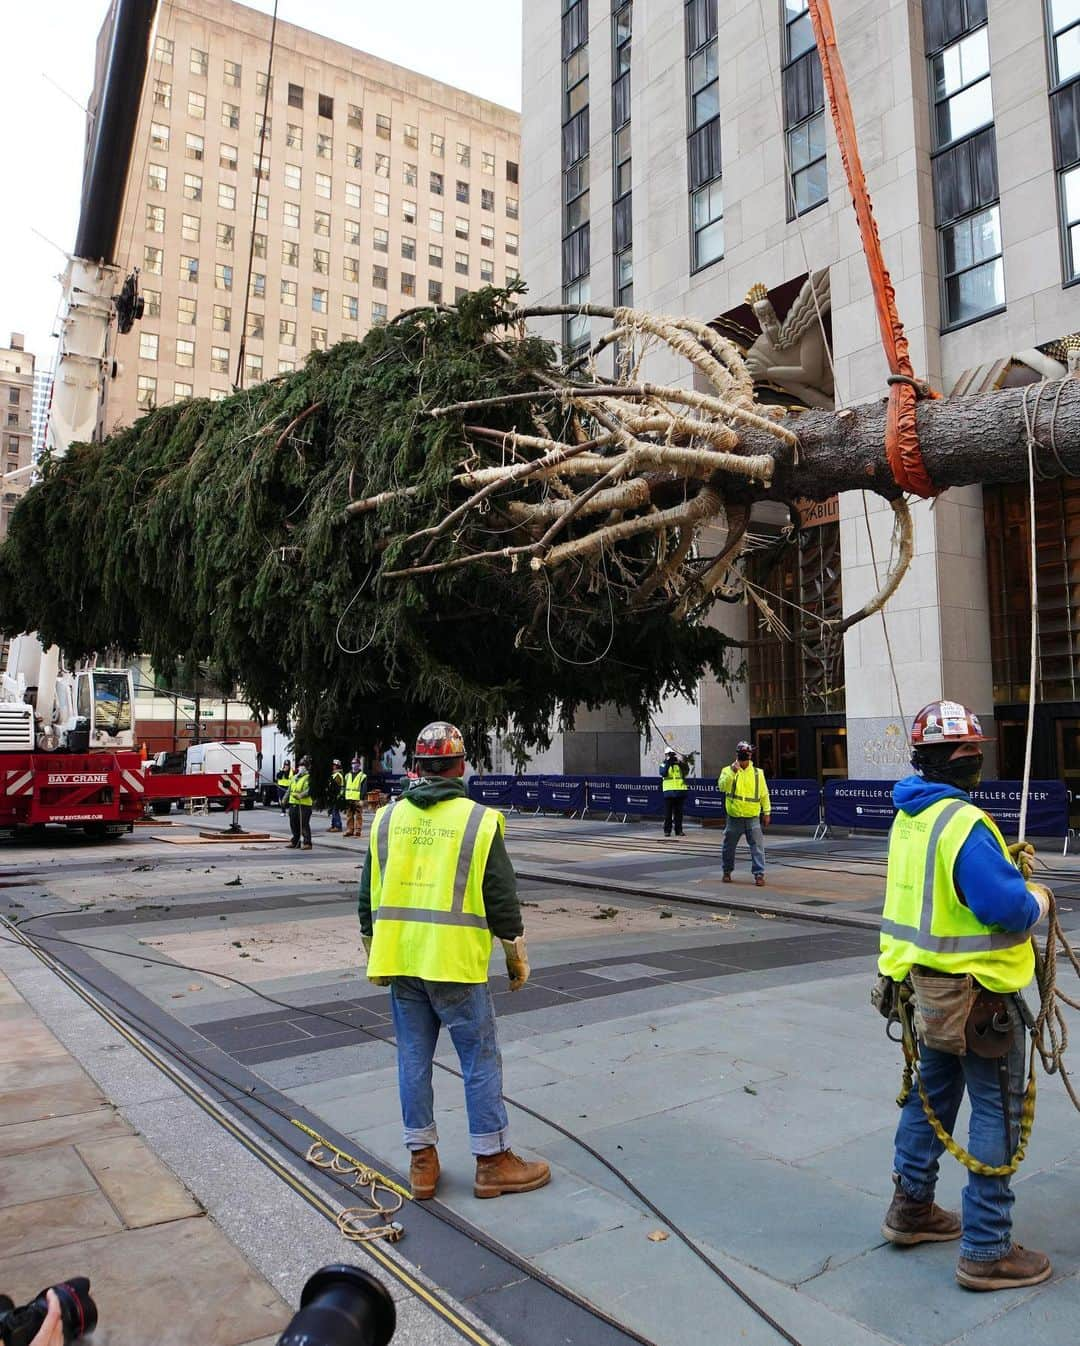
223	274
350	308
319	301
960	80
352	231
381	203
487	270
290	215
408	212
1070	201
435	221
152	260
461	228
461	263
288	293
189	228
408	175
230	116
228	157
219	359
354	155
263	83
438	146
293	177
487	199
379	277
258	245
707	210
258	285
1065	33
806	161
460	292
382	165
286	366
352	195
382	126
318	338
163	50
512	273
434	291
226	196
350	270
487	162
294	136
512	244
435	184
182	390
232	74
199	62
321	260
146	396
355	116
408	248
324	186
256	326
218	394
185	353
704	86
324	145
157	177
621	32
511	171
296	95
162	93
193	187
260	168
326	106
290	253
973	277
804	115
186	311
487	237
151	303
463	154
222	317
408	283
159	136
380	240
322	224
623	162
261	205
511	207
435	255
226	236
196	105
577	327
148	346
462	192
287	331
155	219
253	366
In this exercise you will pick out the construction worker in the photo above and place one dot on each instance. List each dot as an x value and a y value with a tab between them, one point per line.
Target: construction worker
437	885
300	805
336	795
354	796
284	776
674	770
957	920
747	805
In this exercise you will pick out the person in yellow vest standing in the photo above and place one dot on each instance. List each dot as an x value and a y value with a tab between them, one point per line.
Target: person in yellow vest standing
336	794
747	805
284	776
674	770
300	805
437	888
957	921
355	781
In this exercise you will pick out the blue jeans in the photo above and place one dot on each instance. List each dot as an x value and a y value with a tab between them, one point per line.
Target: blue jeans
420	1009
987	1202
335	817
751	829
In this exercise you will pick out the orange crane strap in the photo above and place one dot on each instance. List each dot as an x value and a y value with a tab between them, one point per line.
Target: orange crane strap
901	429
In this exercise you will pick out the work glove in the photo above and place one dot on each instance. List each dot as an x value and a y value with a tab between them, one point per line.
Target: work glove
1023	857
375	981
1042	895
517	962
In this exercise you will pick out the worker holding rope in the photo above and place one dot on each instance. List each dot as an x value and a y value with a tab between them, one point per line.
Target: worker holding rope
956	951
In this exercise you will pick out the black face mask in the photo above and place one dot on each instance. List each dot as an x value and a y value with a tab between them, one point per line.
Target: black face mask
742	757
962	772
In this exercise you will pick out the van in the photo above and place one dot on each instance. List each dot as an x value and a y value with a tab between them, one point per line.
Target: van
214	757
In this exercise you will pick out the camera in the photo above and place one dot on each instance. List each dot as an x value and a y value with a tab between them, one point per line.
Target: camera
78	1312
342	1306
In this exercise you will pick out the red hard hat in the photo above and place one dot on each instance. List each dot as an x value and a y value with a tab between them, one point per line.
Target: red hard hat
440	739
946	724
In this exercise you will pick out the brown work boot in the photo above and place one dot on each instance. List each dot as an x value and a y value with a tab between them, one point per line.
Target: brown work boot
1019	1266
501	1174
908	1221
727	878
759	880
424	1173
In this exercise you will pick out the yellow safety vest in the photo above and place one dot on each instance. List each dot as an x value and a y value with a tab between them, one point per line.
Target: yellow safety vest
354	783
283	780
300	788
925	922
673	779
427	900
738	804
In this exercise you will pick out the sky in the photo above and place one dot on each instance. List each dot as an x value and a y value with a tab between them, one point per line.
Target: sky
47	69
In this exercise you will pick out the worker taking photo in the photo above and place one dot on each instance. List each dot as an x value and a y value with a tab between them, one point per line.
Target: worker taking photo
747	805
674	770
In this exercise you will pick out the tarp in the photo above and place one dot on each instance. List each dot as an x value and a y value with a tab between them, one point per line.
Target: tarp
563	793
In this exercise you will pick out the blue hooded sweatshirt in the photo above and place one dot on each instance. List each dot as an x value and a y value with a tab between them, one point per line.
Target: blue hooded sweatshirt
988	883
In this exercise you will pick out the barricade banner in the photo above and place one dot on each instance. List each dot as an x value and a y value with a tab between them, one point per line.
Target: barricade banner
1047	810
637	794
565	794
703	799
525	793
393	786
598	790
859	803
496	791
795	803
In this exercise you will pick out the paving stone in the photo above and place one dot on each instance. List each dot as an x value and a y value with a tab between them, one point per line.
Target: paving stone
140	1187
42	1133
42	1175
54	1223
61	1098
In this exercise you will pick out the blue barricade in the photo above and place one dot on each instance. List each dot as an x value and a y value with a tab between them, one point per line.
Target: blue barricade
638	795
859	803
525	793
598	791
703	799
565	794
1047	810
497	791
392	786
795	803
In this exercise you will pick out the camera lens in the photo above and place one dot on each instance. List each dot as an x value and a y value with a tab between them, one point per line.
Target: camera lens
77	1310
342	1306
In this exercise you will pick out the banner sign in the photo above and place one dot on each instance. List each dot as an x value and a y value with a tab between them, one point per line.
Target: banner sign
496	791
566	794
393	786
703	799
599	794
859	803
525	793
637	794
795	803
1047	810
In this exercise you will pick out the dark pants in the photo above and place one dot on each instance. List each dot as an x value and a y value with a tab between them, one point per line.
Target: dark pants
300	822
283	797
673	807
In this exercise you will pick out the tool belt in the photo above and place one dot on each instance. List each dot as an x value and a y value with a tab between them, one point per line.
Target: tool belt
955	1014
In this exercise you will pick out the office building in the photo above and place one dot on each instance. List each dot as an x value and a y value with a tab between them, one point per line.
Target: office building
16	399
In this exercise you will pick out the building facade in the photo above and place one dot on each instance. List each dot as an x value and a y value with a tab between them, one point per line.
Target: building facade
16	405
680	153
348	189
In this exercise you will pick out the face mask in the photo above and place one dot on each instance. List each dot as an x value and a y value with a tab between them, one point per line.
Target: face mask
963	772
743	757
